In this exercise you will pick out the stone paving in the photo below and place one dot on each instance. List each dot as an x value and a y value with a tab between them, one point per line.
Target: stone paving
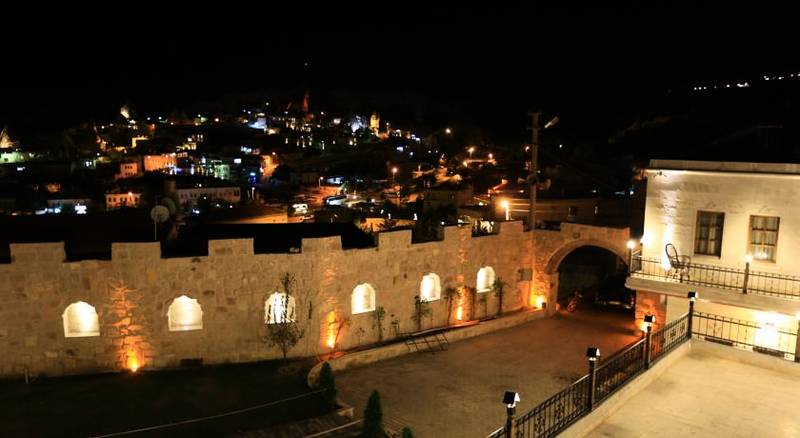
457	392
704	395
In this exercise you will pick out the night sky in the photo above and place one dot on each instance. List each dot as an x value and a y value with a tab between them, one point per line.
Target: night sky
444	64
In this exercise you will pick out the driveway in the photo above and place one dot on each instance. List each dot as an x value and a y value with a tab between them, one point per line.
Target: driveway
457	392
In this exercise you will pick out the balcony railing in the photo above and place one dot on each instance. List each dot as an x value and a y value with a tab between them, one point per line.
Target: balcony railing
574	402
762	338
743	280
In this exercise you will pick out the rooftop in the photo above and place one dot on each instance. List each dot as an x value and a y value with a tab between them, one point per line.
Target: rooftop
708	394
726	166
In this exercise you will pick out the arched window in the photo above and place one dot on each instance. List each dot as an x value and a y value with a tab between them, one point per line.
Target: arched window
279	308
363	298
485	281
80	321
185	314
430	288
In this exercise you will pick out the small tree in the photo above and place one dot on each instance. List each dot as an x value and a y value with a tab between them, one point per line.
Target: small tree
378	315
285	332
499	287
422	309
328	383
373	417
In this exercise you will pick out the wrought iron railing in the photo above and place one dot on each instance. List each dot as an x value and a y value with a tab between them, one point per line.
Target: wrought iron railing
764	338
575	401
722	277
556	413
613	373
664	340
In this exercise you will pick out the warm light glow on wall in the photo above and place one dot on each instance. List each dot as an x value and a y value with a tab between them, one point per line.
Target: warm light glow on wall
666	238
80	320
279	308
460	312
133	363
430	288
485	280
331	337
768	333
540	301
185	314
363	299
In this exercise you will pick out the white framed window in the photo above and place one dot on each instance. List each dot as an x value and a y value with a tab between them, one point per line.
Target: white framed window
485	281
279	308
430	288
80	321
363	299
184	314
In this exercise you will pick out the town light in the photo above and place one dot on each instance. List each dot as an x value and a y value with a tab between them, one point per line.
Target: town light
471	150
133	361
692	295
506	205
491	156
631	244
448	131
748	258
593	353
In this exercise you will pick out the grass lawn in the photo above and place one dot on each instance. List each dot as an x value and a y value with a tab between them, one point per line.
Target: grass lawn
107	403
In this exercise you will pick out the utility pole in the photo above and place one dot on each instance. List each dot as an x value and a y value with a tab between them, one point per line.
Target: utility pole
534	168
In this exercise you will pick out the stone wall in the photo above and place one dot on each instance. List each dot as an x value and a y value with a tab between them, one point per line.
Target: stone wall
551	247
132	292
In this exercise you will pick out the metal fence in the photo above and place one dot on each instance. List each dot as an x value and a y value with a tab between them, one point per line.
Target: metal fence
722	277
614	372
764	338
575	401
664	340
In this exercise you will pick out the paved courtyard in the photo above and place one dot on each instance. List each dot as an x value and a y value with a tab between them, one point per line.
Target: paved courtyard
705	395
457	392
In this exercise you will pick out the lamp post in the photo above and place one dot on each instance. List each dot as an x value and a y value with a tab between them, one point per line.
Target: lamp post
471	150
510	399
593	354
506	205
692	295
394	173
649	320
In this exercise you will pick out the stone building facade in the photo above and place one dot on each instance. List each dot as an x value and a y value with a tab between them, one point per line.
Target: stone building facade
132	295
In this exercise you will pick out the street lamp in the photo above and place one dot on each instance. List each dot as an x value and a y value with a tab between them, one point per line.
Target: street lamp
448	131
471	150
510	399
394	172
491	156
506	205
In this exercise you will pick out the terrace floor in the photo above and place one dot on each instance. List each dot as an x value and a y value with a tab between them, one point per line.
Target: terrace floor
457	392
705	395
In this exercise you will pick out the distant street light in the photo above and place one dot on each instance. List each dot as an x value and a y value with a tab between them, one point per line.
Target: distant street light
471	150
394	172
448	131
491	156
506	205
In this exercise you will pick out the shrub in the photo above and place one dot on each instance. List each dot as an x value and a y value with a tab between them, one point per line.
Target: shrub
373	417
328	382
